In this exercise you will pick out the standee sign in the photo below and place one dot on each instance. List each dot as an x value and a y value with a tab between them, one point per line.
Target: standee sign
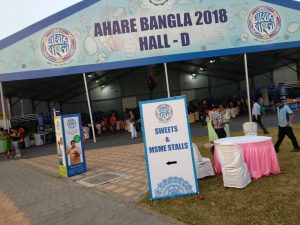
168	148
96	35
70	148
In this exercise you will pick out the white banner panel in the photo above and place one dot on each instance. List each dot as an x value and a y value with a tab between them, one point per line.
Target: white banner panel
168	148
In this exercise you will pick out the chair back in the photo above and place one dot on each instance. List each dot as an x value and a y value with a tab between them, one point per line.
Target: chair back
250	129
197	154
230	155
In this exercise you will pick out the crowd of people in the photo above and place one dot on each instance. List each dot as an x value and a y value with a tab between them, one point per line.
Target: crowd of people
232	108
109	123
12	141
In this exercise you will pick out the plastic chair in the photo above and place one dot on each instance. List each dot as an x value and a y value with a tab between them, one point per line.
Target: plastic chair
98	127
38	140
234	169
250	129
27	141
203	165
86	132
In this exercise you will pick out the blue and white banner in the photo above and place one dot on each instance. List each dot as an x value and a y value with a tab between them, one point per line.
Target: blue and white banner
96	35
73	145
168	148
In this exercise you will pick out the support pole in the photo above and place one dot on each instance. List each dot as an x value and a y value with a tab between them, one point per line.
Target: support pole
247	87
89	106
167	80
3	106
209	87
22	107
298	70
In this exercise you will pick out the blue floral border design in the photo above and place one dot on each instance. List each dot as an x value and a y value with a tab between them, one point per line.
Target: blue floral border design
173	186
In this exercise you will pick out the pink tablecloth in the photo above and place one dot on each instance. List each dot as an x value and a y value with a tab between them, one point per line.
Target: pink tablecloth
260	158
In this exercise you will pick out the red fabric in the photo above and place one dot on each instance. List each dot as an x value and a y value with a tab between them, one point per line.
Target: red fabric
113	120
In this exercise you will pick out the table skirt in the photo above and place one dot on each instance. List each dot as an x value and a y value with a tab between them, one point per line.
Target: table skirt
260	158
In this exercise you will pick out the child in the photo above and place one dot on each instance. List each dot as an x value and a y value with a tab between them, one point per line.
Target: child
6	144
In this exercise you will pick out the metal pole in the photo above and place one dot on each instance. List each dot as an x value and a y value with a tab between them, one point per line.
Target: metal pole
167	80
22	108
89	105
247	86
3	108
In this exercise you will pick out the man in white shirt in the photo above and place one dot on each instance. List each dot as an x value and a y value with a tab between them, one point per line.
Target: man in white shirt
256	116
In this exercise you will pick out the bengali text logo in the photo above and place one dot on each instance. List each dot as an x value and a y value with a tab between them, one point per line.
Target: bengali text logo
264	23
164	113
58	45
71	123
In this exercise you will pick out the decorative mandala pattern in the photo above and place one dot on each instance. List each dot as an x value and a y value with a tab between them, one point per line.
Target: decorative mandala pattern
173	186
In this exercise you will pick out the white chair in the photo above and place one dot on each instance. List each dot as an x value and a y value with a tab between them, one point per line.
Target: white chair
27	141
250	129
98	127
197	116
38	140
234	169
118	125
232	113
192	118
203	165
86	132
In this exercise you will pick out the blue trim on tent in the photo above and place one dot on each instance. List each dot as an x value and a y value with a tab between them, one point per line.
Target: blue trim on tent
143	61
285	3
45	23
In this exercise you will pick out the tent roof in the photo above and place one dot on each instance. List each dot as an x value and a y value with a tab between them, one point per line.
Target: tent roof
61	89
64	88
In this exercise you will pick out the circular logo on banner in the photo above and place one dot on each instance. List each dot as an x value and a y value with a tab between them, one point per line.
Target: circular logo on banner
58	45
264	22
71	123
164	113
158	2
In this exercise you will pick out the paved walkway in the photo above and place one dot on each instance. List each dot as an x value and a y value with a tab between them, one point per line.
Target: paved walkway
126	160
30	196
32	192
10	214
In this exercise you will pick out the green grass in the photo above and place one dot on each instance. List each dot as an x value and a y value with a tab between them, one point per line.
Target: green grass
267	201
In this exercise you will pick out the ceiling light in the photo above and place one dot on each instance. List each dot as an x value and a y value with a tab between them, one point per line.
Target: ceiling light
97	81
212	60
201	68
103	85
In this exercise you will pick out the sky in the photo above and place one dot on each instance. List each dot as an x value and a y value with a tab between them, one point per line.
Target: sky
18	14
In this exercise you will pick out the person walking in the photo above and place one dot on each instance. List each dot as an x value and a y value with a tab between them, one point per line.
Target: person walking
219	123
256	112
285	118
6	144
113	123
132	121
